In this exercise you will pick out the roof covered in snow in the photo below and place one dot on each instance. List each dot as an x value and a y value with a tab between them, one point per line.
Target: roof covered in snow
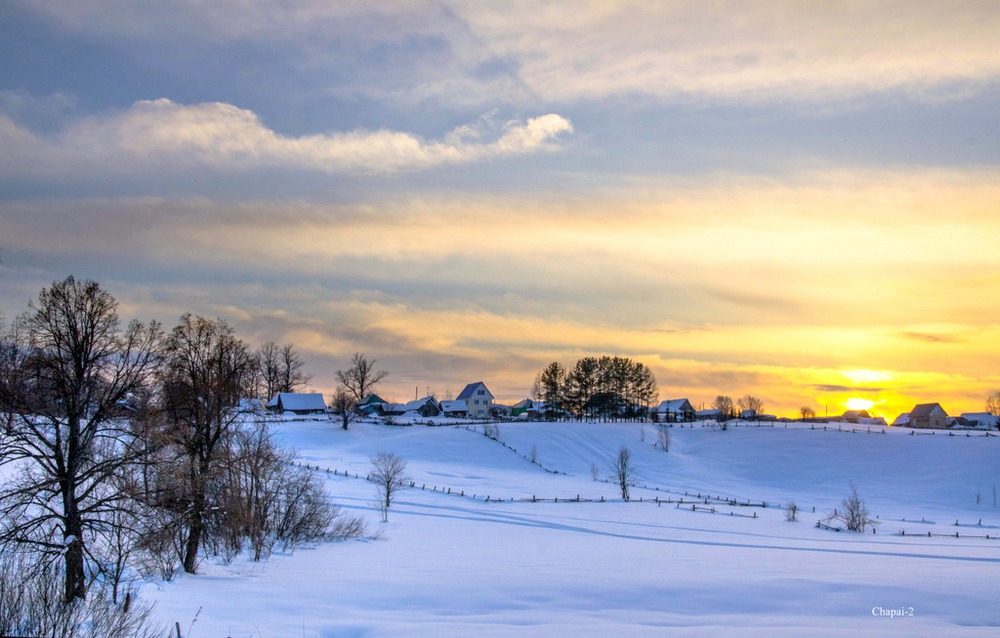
453	406
675	405
298	402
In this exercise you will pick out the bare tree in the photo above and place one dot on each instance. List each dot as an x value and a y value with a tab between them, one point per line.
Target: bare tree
663	437
724	405
207	371
807	412
293	376
853	513
750	403
791	512
389	474
361	378
269	362
268	499
280	369
343	405
66	369
623	471
993	403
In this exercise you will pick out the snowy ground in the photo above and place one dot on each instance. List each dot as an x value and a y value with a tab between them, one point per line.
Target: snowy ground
457	565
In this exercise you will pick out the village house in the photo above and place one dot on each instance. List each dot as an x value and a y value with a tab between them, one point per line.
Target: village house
478	400
297	403
927	415
425	407
675	411
371	404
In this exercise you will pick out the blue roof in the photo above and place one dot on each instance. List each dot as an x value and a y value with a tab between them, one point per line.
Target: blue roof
467	393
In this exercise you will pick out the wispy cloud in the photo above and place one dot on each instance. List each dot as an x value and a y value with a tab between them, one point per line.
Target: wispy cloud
565	50
163	135
757	52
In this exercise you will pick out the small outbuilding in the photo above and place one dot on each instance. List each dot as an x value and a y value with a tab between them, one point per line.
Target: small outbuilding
454	408
981	420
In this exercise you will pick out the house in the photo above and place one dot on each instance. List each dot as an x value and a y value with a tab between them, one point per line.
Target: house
528	407
711	414
676	411
928	415
523	406
478	400
454	408
371	404
297	403
425	407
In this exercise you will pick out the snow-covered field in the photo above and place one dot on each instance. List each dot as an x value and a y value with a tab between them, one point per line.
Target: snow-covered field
453	564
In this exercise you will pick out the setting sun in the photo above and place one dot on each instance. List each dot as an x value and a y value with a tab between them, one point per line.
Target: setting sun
859	404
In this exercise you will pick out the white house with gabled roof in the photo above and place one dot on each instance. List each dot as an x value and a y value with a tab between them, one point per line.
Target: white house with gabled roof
478	400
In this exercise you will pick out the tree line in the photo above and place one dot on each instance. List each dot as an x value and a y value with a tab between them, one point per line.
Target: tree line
609	388
128	449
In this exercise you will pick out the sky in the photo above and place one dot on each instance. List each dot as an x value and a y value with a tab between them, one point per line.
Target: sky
798	201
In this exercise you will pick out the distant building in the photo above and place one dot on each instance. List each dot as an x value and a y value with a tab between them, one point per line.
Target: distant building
983	420
928	415
297	403
372	404
676	411
425	407
454	408
478	400
525	407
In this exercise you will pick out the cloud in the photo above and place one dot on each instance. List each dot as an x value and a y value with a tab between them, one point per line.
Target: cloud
564	51
758	52
826	387
930	337
164	135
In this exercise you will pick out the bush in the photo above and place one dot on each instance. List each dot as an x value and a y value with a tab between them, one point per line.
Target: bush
791	511
853	513
32	604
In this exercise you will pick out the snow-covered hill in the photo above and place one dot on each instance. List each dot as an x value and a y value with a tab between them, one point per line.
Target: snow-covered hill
452	563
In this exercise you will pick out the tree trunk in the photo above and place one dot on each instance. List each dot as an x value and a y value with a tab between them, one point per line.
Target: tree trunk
196	524
76	583
195	530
